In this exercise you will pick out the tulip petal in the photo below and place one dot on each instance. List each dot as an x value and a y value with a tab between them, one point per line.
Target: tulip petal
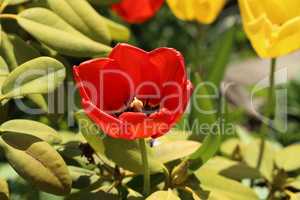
109	124
137	65
139	11
95	80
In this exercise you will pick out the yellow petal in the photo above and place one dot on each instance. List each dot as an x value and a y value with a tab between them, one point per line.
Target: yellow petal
204	11
272	30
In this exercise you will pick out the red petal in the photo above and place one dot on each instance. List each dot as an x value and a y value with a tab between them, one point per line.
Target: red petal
102	82
136	63
170	64
109	124
134	11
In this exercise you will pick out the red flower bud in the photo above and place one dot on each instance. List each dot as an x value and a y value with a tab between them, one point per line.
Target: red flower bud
132	93
137	11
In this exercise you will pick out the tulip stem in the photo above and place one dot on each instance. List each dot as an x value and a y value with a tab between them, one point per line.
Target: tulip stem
269	111
146	167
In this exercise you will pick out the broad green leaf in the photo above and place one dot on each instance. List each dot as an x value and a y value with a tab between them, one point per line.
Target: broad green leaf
295	184
231	169
15	2
3	72
222	56
75	13
223	188
40	75
7	51
286	158
95	191
30	127
212	141
54	32
244	135
251	154
4	191
165	195
294	196
173	150
17	52
118	32
37	162
82	178
230	146
110	148
22	51
133	195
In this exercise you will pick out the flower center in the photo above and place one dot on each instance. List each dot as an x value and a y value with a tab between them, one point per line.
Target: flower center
137	105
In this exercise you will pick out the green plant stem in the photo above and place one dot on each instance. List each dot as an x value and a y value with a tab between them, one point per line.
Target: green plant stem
146	167
269	111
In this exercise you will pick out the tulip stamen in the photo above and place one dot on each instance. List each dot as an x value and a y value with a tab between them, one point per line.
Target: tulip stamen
136	105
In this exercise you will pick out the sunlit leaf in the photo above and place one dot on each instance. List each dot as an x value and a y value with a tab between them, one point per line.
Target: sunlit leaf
30	127
229	147
40	75
285	159
166	195
251	155
54	32
173	150
4	191
223	188
129	159
75	13
231	169
37	162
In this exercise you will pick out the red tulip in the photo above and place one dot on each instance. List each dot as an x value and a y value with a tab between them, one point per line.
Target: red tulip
133	93
137	11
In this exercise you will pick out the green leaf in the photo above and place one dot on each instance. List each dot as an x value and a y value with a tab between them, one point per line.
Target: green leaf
17	52
230	146
40	75
223	188
118	32
211	142
222	56
129	159
95	191
133	195
165	195
37	162
173	150
15	2
3	72
231	169
82	178
285	159
75	13
7	51
250	154
30	127
23	52
54	32
295	184
4	191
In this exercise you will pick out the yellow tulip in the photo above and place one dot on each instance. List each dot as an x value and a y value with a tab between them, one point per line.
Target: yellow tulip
273	26
204	11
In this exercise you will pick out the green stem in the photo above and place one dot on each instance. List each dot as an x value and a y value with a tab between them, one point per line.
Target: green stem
269	111
146	167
